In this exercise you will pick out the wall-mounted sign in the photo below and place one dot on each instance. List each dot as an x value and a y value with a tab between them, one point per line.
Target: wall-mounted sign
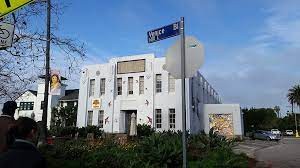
55	82
6	34
132	66
96	103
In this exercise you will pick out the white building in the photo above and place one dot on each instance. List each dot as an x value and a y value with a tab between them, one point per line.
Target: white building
31	102
109	93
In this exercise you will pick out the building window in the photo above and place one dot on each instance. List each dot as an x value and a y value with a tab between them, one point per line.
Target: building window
130	85
70	103
100	118
26	105
102	86
158	118
172	118
158	83
119	86
171	83
90	118
42	105
92	87
141	85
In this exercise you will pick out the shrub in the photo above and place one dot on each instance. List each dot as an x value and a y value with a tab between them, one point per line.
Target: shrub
63	131
161	149
223	157
144	130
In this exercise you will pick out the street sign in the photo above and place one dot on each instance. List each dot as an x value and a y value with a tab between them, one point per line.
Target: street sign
163	32
8	6
194	58
6	34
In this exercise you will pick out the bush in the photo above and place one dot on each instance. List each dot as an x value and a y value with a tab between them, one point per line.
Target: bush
161	149
144	130
63	131
90	129
223	157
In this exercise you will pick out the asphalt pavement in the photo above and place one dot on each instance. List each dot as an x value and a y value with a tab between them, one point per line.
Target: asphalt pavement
282	154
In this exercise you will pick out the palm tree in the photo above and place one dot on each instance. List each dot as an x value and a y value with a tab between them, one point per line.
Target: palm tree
294	96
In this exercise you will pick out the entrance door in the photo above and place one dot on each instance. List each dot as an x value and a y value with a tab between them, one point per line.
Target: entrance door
128	120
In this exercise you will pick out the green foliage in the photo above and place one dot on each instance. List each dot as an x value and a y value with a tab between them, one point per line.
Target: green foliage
200	144
63	131
222	157
262	118
70	131
294	95
64	116
161	149
144	130
155	151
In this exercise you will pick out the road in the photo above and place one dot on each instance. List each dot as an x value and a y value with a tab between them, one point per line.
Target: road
282	154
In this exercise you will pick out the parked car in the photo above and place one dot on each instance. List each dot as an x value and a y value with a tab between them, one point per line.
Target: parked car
275	131
266	135
289	132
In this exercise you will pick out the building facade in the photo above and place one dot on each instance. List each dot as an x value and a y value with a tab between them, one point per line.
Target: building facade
31	102
109	93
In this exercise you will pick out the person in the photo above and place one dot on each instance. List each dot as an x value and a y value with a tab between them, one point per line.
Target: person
55	84
23	153
6	122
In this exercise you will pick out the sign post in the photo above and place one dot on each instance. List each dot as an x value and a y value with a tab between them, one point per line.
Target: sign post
168	31
182	37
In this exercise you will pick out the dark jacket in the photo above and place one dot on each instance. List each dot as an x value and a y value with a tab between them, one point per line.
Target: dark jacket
6	122
22	155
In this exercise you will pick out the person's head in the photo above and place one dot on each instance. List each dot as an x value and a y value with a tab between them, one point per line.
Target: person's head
55	79
26	129
9	108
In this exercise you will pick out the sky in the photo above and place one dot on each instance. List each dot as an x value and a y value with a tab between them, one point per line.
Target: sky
252	48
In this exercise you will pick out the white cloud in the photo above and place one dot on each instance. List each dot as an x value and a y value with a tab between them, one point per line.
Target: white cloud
260	73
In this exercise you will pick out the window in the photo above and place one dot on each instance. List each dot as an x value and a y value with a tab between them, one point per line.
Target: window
26	105
141	85
171	83
172	118
90	118
158	83
42	105
158	118
102	86
92	87
119	86
70	103
100	118
130	85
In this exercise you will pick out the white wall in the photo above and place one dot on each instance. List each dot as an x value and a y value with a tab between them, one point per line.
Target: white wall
25	97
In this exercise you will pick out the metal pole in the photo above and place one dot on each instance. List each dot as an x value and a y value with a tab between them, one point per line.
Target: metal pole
182	36
47	75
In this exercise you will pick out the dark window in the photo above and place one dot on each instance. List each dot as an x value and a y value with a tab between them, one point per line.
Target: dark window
158	118
42	105
26	105
172	118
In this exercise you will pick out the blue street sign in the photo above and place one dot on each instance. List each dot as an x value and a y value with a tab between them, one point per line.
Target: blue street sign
163	32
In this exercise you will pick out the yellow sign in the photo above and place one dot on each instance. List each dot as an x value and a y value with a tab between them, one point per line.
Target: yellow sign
96	103
8	6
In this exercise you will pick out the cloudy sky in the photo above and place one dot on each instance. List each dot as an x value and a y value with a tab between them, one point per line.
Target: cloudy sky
252	48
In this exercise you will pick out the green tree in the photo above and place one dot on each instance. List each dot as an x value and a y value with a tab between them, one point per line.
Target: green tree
294	96
262	118
64	116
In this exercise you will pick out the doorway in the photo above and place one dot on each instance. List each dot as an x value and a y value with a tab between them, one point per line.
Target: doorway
127	119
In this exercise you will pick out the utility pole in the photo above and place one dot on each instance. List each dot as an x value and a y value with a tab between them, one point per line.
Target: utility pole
182	37
47	75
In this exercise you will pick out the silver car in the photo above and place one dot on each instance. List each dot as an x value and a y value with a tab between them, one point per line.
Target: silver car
266	135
